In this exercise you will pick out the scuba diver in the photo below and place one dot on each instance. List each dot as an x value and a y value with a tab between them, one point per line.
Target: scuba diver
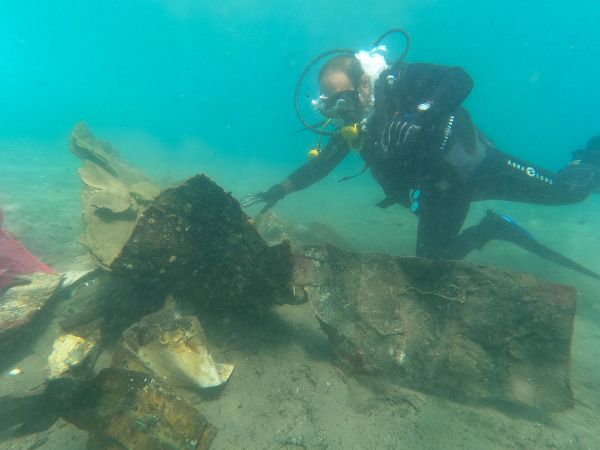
407	123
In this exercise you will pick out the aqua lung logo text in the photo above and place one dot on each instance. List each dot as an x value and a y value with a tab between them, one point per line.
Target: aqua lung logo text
530	171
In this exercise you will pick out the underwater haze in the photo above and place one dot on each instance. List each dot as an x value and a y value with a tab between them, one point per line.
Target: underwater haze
224	72
182	87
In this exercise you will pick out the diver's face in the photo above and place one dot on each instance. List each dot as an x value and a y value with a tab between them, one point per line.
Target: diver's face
340	99
334	82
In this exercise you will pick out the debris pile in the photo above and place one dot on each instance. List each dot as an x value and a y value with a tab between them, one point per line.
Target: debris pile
122	369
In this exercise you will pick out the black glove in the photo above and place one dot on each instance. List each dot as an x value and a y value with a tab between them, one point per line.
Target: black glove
270	197
402	129
399	131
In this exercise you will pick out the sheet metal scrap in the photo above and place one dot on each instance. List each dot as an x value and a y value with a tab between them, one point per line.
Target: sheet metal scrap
74	354
61	435
121	409
275	229
17	409
114	195
451	328
38	409
20	304
195	242
131	410
172	347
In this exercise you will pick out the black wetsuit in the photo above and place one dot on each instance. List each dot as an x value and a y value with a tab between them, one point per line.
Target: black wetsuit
448	163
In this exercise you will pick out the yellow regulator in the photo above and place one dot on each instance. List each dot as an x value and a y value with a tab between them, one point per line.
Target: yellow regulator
314	152
350	132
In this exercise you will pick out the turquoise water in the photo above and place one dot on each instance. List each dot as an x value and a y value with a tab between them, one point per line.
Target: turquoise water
224	72
187	86
183	86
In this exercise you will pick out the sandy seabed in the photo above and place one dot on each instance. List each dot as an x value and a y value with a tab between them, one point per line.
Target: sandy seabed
286	390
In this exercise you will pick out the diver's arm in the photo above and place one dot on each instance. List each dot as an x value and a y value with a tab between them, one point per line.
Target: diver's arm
311	172
442	89
317	168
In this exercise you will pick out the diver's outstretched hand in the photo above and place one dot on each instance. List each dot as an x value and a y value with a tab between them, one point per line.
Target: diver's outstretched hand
269	197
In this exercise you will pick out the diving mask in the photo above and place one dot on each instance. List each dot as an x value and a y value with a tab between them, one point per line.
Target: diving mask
343	105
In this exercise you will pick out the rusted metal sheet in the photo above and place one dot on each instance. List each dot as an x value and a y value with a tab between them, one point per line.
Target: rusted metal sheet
451	328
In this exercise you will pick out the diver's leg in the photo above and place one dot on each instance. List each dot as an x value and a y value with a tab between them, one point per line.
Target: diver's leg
501	177
492	227
498	227
504	177
441	217
508	184
458	246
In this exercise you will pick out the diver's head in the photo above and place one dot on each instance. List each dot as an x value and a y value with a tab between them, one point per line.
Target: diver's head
345	89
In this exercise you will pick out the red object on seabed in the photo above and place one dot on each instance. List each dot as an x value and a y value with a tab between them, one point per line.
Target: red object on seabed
15	259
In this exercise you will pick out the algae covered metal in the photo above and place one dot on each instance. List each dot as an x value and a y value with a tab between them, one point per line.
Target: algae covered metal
130	410
195	242
469	332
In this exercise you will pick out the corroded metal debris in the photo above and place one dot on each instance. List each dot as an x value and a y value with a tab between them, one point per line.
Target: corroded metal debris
132	410
114	195
74	354
119	408
61	435
20	304
171	347
275	229
18	408
38	408
195	242
451	328
95	298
